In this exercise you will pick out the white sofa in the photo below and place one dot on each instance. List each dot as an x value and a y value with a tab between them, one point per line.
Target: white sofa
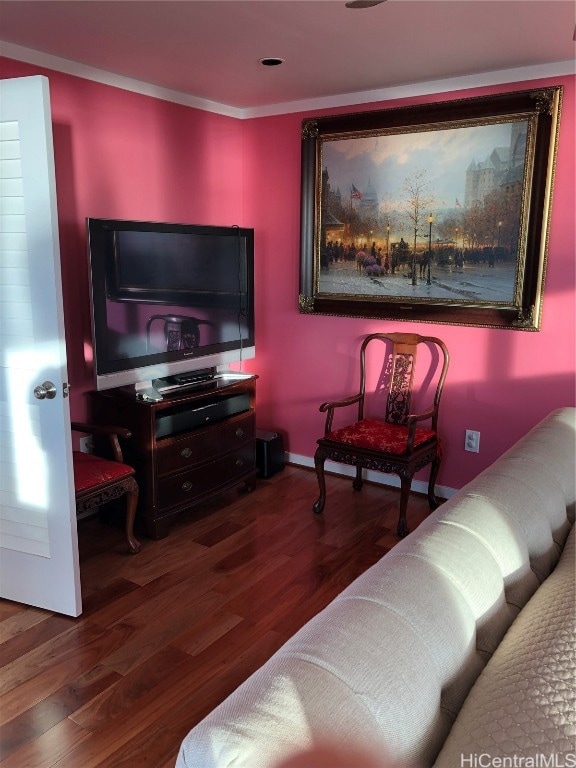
458	643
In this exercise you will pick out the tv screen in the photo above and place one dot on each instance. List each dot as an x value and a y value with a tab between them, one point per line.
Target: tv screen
168	299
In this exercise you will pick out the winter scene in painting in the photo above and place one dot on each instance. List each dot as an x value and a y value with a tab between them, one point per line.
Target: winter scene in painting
430	214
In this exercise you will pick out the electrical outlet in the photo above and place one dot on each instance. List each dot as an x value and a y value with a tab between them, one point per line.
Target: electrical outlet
86	444
472	441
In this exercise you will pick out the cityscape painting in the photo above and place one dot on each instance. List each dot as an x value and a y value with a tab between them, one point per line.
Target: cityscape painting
431	213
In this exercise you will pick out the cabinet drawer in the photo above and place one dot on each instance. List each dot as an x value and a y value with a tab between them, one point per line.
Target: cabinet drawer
204	444
176	490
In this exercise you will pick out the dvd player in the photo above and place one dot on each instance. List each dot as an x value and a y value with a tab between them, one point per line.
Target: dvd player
182	380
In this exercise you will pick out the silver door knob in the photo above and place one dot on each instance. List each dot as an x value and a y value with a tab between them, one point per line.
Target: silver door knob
46	391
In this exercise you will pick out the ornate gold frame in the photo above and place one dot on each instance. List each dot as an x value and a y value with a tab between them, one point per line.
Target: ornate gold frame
534	114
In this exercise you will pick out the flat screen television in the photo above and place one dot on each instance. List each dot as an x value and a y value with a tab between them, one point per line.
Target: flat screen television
171	304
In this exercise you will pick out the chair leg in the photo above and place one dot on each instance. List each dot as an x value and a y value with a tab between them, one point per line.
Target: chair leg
131	502
319	504
433	501
405	484
358	480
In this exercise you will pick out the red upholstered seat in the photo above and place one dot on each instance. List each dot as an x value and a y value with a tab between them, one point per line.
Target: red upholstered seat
378	435
99	481
91	471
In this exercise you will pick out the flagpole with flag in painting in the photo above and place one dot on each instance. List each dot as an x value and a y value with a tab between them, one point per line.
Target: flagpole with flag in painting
355	194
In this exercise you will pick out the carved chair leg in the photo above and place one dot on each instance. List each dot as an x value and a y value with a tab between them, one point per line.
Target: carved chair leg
131	502
433	500
405	484
358	480
319	466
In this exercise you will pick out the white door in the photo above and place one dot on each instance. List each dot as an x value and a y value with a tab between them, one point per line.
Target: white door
38	542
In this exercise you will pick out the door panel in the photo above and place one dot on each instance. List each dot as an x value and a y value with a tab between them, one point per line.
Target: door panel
38	541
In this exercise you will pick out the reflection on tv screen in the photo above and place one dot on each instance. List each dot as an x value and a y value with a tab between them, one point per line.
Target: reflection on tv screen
136	329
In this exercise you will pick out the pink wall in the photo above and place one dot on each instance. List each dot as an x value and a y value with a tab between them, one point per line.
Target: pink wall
500	382
119	154
122	155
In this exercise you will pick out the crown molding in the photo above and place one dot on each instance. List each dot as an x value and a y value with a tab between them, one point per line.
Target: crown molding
68	67
499	77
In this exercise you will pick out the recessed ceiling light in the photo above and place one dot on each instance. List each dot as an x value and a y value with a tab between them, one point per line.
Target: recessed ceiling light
271	61
363	3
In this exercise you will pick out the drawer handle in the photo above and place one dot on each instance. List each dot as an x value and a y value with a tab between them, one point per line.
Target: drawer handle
239	432
185	453
187	486
239	462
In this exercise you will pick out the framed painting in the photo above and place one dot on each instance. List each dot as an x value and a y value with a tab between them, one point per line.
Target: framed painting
430	213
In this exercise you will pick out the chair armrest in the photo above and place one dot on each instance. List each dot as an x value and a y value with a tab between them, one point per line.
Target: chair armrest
100	429
112	432
414	417
329	408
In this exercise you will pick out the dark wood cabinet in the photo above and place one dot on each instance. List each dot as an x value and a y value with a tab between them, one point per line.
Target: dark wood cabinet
187	447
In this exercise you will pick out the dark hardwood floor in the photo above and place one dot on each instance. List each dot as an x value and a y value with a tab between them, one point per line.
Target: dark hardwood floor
167	634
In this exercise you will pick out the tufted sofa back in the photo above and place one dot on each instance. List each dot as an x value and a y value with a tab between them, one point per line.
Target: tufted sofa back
390	661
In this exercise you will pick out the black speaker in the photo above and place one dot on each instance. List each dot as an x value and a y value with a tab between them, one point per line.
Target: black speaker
269	453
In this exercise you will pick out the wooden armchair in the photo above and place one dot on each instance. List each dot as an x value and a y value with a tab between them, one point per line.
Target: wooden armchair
397	441
98	480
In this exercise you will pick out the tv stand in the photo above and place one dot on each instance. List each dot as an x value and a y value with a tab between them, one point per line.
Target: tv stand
194	443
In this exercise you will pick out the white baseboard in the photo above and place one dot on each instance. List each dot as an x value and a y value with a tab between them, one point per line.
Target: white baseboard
345	470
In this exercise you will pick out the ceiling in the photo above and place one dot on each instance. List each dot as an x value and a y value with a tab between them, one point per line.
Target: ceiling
210	49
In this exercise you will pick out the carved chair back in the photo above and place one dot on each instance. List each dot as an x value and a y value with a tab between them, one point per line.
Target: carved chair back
397	378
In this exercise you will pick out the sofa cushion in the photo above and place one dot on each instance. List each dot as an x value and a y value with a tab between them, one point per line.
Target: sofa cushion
524	702
547	498
502	535
287	706
553	438
473	570
413	589
528	508
397	682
